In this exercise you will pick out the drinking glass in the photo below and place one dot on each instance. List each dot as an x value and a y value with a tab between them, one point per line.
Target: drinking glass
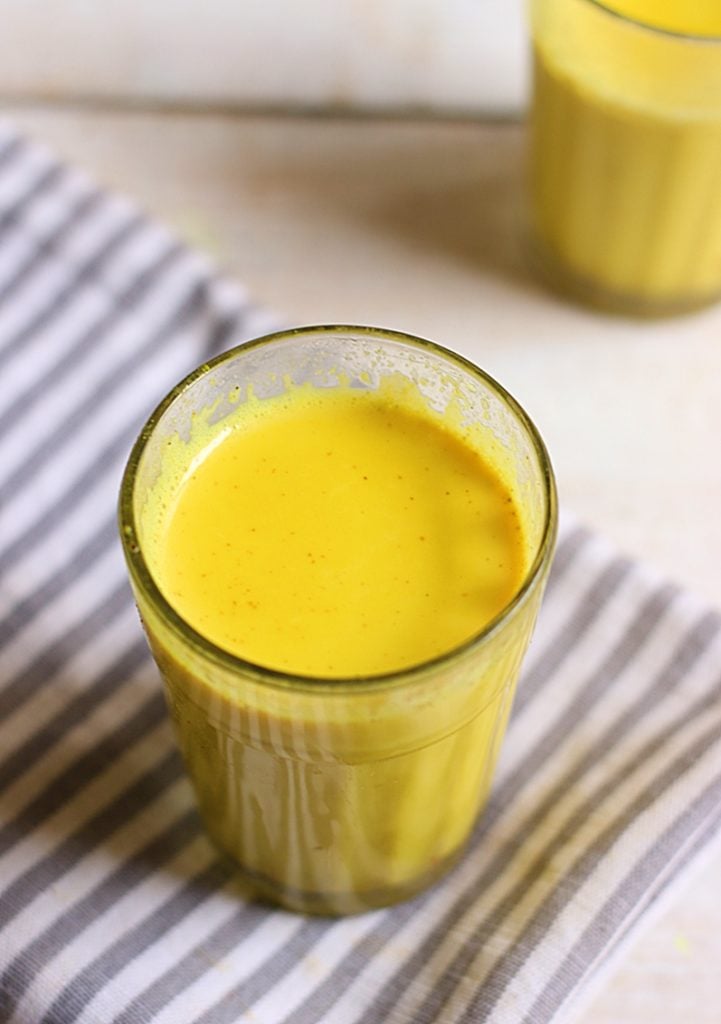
625	157
335	795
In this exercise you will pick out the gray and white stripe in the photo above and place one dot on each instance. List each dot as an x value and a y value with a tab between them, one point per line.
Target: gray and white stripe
113	905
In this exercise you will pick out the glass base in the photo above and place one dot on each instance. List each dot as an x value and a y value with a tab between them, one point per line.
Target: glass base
340	904
564	281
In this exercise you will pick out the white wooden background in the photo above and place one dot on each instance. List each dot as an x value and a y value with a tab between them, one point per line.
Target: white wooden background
452	56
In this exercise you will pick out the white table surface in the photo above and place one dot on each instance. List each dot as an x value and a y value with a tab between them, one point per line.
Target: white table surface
417	226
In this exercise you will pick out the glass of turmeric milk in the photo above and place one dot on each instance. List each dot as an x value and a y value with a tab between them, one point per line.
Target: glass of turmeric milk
626	151
338	539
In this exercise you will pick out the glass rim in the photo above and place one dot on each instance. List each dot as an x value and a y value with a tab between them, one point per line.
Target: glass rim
277	678
659	30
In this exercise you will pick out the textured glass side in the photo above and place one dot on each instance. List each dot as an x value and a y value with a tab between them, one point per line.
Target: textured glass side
345	801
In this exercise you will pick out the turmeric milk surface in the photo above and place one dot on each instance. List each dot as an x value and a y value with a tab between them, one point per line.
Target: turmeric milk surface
334	532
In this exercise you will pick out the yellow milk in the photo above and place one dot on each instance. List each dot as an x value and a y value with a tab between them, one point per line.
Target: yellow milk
333	533
334	538
626	150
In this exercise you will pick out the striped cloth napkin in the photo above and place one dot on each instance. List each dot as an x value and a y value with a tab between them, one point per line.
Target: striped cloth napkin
114	907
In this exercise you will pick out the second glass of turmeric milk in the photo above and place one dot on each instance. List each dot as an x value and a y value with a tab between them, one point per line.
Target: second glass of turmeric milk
625	151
